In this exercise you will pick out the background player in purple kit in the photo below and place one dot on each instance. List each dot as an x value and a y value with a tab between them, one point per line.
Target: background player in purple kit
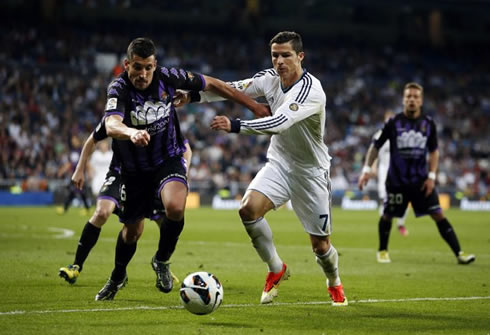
71	159
412	136
141	118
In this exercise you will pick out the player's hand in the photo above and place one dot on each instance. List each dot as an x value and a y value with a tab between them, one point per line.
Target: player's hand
221	123
428	186
140	138
78	179
181	98
262	110
363	180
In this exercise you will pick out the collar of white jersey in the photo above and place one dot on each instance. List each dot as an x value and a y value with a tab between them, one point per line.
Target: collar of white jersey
297	81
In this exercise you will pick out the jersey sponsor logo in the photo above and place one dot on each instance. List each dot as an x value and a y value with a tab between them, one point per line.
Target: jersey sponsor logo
149	113
294	107
111	104
411	140
157	127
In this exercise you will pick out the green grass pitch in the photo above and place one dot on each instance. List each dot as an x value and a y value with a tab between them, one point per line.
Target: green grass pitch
423	290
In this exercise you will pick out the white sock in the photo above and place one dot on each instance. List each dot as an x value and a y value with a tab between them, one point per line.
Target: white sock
401	221
329	263
261	235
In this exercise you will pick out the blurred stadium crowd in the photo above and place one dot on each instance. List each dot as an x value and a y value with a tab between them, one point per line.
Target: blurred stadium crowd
52	94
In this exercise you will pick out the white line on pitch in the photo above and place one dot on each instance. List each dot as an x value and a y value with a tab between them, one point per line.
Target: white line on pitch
365	301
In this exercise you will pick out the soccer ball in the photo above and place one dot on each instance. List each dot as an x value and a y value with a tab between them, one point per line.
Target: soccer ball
201	293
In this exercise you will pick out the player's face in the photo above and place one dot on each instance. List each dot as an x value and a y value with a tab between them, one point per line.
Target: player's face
140	70
412	102
285	60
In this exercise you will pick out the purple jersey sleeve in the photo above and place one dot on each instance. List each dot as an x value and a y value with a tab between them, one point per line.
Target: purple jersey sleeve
182	79
100	132
116	97
384	136
432	140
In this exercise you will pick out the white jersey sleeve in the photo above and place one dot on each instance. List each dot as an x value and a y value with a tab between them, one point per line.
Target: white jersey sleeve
253	87
289	113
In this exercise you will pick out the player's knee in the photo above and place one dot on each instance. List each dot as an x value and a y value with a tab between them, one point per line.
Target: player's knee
320	246
320	250
132	233
438	216
175	210
247	212
102	214
132	237
386	218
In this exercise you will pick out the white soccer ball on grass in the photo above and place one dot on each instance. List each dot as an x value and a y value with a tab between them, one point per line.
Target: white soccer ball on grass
201	293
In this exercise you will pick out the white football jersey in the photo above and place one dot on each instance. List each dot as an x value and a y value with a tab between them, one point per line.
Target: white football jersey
297	124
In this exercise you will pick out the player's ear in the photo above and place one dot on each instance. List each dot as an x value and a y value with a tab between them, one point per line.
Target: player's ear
301	55
126	64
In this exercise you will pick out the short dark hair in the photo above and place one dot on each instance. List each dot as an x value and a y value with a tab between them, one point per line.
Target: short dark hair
141	46
414	85
289	36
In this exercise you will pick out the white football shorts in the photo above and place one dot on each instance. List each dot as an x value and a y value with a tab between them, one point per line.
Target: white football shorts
310	195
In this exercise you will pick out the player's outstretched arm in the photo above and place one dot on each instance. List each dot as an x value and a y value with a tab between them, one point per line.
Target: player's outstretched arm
226	91
78	177
371	156
118	130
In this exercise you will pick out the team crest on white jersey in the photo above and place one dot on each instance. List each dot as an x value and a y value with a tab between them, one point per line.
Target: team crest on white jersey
411	139
294	107
149	113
